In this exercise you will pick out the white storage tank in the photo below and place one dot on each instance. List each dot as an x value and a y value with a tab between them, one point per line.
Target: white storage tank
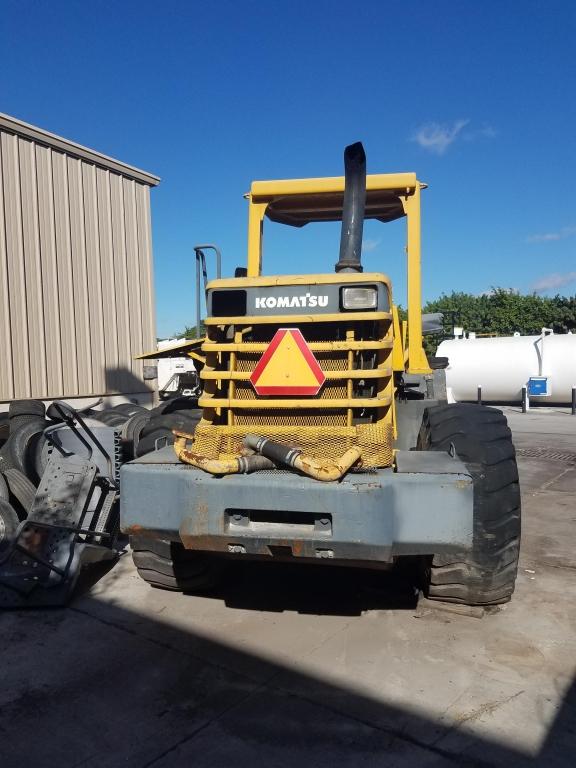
502	366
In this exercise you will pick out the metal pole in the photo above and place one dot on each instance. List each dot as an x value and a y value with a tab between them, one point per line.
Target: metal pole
198	316
479	394
524	399
574	400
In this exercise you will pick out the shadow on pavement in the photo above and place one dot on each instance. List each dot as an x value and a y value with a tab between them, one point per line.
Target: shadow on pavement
103	686
317	590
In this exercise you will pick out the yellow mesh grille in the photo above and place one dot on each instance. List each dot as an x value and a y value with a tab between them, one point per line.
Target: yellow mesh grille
319	432
291	418
245	391
374	440
329	361
247	362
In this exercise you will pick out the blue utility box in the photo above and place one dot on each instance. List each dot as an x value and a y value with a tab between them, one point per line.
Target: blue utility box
538	386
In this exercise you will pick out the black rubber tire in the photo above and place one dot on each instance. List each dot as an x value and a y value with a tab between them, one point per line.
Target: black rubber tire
487	574
149	443
4	492
22	448
167	565
4	428
27	408
128	409
21	412
9	523
21	490
185	421
110	417
176	404
131	431
161	426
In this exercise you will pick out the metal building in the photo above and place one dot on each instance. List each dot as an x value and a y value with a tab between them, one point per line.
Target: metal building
76	290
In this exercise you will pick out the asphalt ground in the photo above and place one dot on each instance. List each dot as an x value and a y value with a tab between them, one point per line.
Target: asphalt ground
308	665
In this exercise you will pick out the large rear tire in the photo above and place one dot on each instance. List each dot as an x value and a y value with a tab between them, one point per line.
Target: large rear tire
487	574
168	565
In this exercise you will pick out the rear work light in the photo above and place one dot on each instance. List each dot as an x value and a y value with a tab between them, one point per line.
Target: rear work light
359	298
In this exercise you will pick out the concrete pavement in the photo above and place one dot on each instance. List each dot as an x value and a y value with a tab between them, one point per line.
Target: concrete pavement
304	665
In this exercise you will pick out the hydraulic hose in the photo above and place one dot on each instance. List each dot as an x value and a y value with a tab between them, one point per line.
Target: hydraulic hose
241	465
326	470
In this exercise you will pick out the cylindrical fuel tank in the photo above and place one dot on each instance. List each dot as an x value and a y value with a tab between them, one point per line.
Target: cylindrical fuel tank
502	366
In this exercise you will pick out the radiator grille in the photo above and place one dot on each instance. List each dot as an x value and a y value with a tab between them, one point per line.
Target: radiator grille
362	394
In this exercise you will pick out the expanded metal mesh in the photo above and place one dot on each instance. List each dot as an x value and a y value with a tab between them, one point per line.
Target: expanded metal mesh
373	440
245	391
307	417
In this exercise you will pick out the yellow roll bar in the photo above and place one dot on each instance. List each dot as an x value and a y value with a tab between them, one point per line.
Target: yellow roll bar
298	202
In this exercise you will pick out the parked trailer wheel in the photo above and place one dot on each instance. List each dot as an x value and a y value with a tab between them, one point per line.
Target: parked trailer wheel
482	439
168	565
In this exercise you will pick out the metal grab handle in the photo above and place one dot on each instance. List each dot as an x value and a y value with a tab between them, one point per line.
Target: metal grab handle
70	416
201	268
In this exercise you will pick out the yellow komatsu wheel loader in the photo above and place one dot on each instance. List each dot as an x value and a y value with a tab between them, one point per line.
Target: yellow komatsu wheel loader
324	433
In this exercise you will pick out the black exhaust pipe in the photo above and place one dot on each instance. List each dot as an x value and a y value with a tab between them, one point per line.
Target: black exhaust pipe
353	209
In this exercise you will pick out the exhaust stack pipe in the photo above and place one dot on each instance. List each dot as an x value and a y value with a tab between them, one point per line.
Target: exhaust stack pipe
353	209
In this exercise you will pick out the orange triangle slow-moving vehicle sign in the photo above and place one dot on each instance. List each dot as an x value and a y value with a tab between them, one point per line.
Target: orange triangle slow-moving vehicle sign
288	367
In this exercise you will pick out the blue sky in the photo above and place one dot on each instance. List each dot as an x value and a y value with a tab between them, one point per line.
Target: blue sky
476	97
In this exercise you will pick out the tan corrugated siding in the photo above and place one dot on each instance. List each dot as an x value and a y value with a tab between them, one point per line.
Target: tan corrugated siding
79	275
133	273
50	308
94	275
32	267
6	377
16	275
76	291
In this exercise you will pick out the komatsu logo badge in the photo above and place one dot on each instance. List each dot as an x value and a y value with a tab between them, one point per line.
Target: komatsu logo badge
288	302
288	367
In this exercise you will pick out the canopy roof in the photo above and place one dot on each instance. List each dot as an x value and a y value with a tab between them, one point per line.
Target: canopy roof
298	202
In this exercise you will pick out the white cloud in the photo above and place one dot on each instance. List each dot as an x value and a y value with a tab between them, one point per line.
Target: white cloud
485	132
370	244
547	237
553	281
436	138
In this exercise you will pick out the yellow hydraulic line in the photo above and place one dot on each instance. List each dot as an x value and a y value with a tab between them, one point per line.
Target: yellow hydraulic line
218	466
327	470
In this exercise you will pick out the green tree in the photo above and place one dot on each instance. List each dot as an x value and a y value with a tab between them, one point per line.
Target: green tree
189	332
503	311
